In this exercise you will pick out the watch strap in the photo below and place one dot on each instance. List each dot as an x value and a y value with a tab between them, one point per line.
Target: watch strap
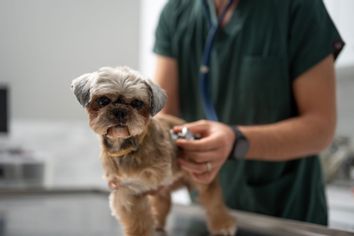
240	145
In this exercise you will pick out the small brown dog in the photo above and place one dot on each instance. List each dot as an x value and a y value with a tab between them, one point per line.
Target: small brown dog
138	153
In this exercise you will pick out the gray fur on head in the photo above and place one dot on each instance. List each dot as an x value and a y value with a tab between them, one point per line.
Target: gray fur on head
81	87
114	80
158	99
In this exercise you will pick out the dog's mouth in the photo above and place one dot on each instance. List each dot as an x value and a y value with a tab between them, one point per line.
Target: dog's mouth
118	131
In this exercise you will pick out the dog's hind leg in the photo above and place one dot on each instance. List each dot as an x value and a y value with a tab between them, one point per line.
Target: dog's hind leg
220	221
160	203
133	212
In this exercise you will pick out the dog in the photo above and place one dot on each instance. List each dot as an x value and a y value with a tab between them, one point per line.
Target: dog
139	156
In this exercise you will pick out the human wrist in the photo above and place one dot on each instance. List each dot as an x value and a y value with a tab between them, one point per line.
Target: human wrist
240	145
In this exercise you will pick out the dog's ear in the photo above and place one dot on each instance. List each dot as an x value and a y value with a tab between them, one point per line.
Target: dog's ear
81	88
158	97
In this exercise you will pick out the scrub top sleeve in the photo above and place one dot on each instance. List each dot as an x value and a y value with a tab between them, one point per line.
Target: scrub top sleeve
312	36
164	32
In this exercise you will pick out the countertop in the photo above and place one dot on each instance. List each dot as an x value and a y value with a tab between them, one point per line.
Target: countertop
40	212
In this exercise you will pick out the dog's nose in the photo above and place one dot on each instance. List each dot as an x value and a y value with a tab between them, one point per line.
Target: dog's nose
120	114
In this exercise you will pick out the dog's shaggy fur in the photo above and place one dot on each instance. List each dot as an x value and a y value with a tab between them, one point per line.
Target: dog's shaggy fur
138	155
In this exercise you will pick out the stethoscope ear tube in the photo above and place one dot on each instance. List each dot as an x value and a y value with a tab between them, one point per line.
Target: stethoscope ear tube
204	86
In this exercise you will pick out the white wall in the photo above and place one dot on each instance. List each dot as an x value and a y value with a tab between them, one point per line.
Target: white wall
44	44
341	12
150	11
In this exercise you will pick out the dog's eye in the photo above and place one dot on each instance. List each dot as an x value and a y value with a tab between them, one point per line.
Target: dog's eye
103	101
137	104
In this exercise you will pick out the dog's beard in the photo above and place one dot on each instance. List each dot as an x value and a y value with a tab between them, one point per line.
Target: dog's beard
103	124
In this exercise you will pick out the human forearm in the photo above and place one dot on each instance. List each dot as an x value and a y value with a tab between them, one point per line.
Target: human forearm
289	139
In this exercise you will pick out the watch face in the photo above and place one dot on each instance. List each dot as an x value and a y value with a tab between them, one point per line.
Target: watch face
241	148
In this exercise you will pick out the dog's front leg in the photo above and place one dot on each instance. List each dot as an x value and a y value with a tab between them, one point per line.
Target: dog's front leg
133	212
110	172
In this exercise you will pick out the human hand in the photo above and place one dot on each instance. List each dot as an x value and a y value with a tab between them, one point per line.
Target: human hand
202	158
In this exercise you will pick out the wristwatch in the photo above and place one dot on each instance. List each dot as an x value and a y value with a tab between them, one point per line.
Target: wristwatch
240	146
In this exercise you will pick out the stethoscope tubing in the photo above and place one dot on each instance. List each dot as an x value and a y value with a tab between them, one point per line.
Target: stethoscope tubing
204	86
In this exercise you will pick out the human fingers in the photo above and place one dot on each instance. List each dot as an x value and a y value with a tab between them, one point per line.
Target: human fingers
204	178
196	127
195	168
199	156
199	145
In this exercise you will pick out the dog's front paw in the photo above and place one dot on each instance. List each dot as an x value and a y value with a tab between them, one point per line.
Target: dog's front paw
224	226
160	232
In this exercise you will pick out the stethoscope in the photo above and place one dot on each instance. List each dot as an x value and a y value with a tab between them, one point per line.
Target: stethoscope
215	24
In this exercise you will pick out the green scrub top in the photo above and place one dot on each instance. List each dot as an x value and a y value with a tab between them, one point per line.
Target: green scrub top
256	57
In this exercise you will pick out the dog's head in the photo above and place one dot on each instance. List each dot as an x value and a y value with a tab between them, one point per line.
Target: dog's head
119	101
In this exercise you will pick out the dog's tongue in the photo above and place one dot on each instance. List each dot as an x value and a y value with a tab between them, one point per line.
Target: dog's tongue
118	132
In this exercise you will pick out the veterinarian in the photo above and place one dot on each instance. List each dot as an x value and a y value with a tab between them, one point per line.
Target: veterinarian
272	84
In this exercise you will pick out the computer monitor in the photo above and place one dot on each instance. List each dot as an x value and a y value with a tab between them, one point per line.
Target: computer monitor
4	110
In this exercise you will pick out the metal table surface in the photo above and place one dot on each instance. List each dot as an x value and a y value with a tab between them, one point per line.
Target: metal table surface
76	212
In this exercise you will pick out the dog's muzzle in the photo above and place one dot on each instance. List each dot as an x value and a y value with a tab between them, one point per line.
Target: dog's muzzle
121	115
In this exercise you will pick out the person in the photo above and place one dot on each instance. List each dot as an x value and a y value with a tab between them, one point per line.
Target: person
272	76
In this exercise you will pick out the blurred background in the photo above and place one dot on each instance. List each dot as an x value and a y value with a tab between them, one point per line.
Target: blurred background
44	137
